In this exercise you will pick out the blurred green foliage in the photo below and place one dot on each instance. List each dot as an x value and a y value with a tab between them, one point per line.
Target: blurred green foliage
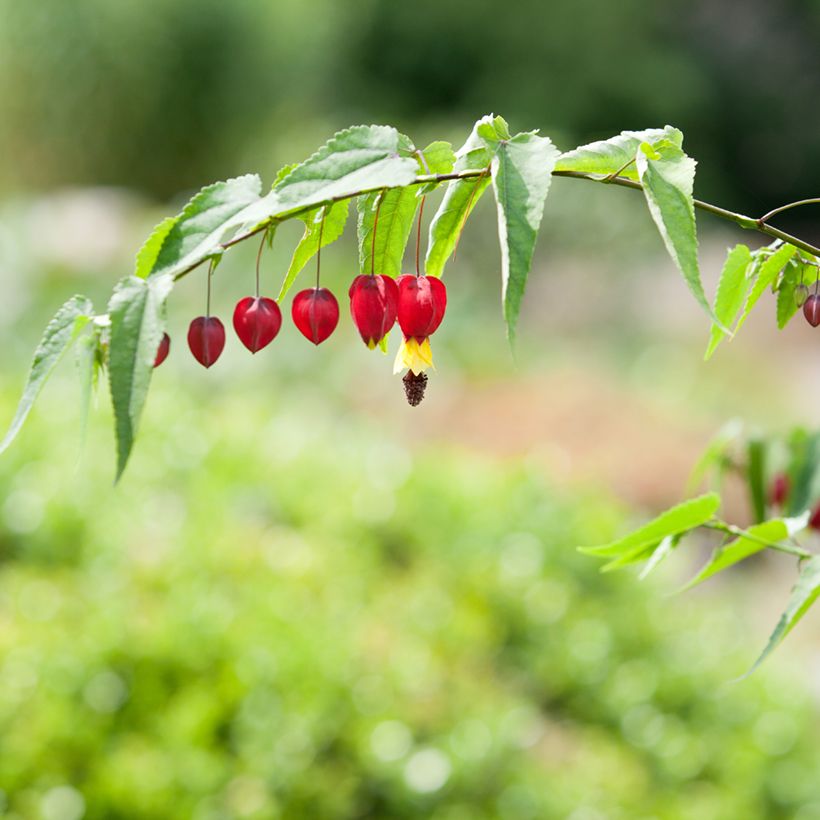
165	95
293	607
288	610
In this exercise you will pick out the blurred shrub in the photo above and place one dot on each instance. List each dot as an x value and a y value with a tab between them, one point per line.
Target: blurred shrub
165	95
284	612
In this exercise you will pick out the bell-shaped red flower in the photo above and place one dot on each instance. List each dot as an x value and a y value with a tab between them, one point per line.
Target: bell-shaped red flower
206	338
315	312
256	322
373	305
421	305
163	350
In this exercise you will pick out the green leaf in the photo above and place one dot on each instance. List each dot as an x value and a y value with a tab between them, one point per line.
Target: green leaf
195	235
802	470
335	220
362	158
148	253
668	180
756	477
446	226
606	157
804	594
61	331
793	275
521	175
715	452
751	541
398	207
461	195
396	215
439	158
660	553
766	276
731	291
675	521
137	313
88	363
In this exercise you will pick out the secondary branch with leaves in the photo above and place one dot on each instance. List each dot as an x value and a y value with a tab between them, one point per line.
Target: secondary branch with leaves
388	177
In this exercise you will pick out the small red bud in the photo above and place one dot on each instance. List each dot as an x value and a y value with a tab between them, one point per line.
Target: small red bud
256	322
373	301
811	310
421	306
206	338
814	521
315	312
163	350
779	490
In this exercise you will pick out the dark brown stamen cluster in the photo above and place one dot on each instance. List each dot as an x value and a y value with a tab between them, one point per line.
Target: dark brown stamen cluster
414	387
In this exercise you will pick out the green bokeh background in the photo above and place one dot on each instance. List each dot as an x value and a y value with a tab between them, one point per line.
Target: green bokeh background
305	599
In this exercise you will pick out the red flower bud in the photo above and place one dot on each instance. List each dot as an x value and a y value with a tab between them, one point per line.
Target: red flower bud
422	302
811	310
814	521
256	322
163	350
373	301
779	490
315	312
206	338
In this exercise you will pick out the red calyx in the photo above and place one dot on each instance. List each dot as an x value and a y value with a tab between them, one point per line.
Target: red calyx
163	350
373	304
315	312
256	322
206	338
779	491
811	310
814	521
421	306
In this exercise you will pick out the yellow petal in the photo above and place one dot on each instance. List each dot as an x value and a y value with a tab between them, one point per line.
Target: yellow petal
414	356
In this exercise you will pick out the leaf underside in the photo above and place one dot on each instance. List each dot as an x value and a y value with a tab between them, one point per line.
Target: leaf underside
61	331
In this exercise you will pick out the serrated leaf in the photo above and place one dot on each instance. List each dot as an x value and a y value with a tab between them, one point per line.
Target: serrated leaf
87	364
439	158
461	196
804	594
606	157
767	272
137	313
196	233
715	452
659	554
668	181
148	253
459	201
756	477
675	521
752	541
396	214
802	471
283	172
786	304
60	332
365	157
731	291
521	174
334	226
